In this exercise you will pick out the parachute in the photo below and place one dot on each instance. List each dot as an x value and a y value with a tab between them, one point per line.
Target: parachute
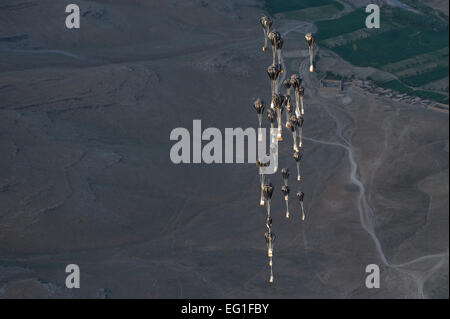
274	71
300	121
310	40
267	193
269	222
277	44
296	84
285	175
270	239
287	99
266	23
287	85
301	196
298	158
277	106
292	125
272	116
261	166
301	93
285	191
259	106
285	188
288	107
296	81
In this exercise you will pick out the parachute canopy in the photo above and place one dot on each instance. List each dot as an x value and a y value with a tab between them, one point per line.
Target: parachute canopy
285	173
296	81
266	22
297	156
274	71
277	101
259	106
267	191
276	39
271	115
310	39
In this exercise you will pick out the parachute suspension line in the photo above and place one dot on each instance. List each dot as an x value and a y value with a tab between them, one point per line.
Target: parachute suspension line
294	136
270	246
300	134
271	270
259	106
288	106
286	181
274	85
260	135
297	105
261	178
301	102
265	39
287	119
280	131
274	52
286	199
285	189
268	210
270	260
272	136
266	23
269	238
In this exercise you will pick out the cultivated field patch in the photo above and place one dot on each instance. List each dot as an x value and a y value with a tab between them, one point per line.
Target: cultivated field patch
277	6
315	13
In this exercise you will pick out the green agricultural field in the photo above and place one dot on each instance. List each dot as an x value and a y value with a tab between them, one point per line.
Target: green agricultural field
429	57
412	34
431	96
315	13
395	85
402	88
346	24
392	46
277	6
427	77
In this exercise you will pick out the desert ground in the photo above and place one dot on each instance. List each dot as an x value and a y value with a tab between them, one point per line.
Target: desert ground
86	177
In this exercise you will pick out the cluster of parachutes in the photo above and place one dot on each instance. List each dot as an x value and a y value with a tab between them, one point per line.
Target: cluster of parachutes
294	120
